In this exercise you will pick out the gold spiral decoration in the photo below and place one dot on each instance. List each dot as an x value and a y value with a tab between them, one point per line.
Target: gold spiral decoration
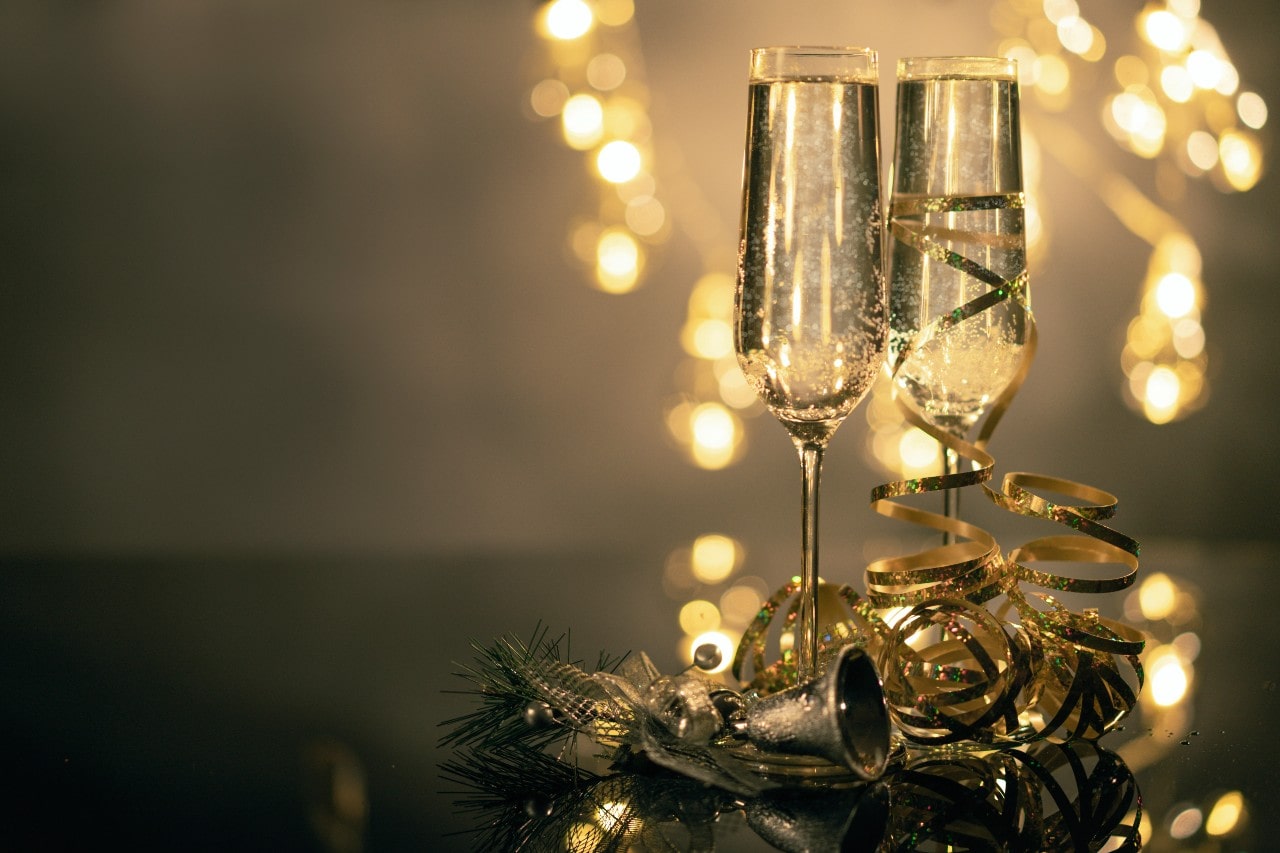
1000	665
855	623
971	569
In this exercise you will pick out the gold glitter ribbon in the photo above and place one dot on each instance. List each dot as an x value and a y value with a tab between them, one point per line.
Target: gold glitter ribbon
926	241
1089	675
978	659
971	570
857	623
953	671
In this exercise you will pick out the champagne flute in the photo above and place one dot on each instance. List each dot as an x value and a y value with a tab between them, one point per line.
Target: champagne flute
810	308
957	235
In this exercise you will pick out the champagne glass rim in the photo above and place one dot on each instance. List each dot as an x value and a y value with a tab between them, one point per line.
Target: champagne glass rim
809	62
815	50
980	67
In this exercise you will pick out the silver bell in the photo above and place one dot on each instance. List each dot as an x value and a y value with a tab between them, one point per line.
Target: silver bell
840	716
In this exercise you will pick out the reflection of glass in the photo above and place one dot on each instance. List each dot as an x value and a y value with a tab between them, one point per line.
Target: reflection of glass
810	306
957	229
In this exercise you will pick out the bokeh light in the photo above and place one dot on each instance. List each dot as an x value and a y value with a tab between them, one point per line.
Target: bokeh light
1252	109
716	434
606	71
1202	150
1185	823
698	616
1157	596
1165	30
618	161
583	121
1241	159
646	216
1168	676
919	451
568	19
548	97
714	557
618	259
1076	35
1176	82
1175	295
1204	68
1227	814
615	13
740	603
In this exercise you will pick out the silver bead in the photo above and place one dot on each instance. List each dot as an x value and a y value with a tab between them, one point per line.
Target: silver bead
707	656
538	715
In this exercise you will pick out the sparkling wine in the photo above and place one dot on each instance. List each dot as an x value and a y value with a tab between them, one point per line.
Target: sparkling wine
812	322
953	141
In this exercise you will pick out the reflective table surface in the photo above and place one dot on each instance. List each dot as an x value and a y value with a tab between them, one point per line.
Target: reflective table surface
294	704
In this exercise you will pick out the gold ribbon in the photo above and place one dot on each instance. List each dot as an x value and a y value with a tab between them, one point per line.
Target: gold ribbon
977	658
926	241
971	570
857	624
1053	670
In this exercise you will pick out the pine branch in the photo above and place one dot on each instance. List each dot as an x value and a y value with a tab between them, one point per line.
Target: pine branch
509	675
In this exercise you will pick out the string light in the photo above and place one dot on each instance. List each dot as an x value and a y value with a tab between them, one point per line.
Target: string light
1177	99
595	87
1196	85
1164	357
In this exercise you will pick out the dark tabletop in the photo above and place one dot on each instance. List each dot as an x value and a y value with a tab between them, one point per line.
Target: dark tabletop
214	704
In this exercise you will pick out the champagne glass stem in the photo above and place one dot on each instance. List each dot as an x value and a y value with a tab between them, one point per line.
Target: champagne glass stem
806	637
950	497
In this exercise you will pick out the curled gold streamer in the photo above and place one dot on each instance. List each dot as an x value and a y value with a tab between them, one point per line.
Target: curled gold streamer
961	687
954	671
972	570
1090	675
858	623
780	673
1038	668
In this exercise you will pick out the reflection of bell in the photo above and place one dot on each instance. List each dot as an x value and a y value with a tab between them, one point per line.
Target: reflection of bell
840	820
841	716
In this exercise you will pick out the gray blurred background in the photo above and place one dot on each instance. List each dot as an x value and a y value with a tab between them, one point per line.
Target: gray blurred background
291	277
301	387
